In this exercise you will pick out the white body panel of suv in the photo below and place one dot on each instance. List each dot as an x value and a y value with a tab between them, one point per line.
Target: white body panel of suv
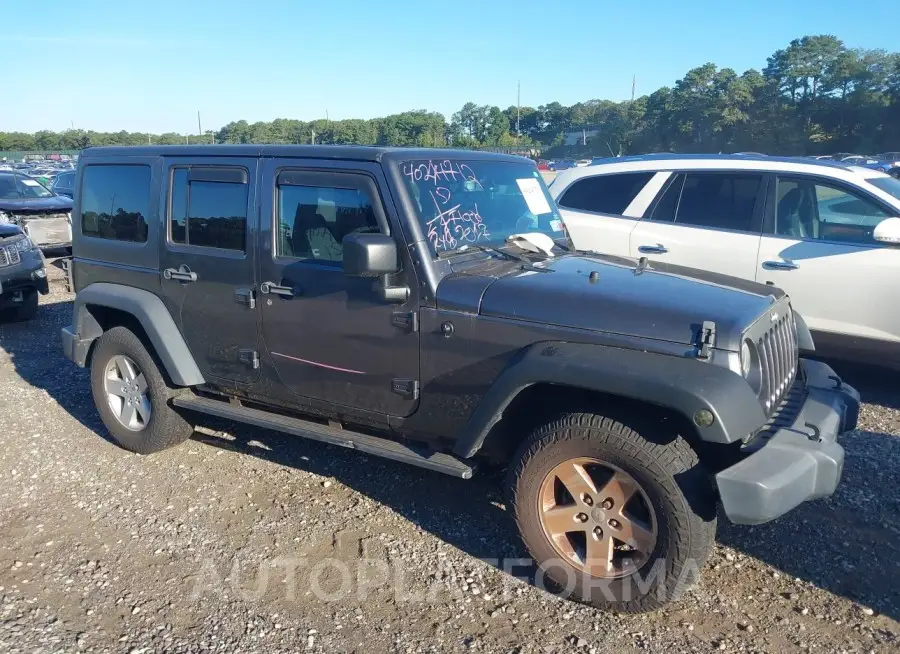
805	226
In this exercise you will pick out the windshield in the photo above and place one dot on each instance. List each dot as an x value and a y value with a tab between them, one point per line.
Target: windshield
479	202
17	187
889	185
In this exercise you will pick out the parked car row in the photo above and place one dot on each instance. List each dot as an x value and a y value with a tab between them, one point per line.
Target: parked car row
886	162
825	232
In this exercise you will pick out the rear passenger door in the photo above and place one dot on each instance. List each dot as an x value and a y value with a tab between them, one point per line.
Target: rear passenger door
706	220
208	264
600	210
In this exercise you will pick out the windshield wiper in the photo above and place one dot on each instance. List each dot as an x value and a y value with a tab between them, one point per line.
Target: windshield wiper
526	264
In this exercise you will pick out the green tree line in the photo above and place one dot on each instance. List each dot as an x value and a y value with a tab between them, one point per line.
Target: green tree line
813	96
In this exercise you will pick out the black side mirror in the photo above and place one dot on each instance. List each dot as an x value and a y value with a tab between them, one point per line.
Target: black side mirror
370	255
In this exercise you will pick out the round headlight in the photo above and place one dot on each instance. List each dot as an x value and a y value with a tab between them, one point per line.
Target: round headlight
745	359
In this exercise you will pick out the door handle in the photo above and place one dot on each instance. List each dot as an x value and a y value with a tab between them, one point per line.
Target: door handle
181	274
659	248
780	265
271	288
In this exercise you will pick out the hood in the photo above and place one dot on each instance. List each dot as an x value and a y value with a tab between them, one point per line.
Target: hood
615	295
36	205
8	229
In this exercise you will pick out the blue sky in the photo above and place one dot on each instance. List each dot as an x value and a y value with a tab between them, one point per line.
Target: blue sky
149	66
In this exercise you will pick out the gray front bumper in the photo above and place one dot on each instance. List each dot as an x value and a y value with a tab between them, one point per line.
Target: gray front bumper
797	462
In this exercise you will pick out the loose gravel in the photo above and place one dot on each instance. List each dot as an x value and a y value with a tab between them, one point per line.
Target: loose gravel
246	540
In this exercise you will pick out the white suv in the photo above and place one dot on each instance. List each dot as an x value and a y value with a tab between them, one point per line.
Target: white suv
827	233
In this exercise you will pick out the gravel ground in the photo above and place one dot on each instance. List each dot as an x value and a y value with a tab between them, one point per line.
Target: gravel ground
253	541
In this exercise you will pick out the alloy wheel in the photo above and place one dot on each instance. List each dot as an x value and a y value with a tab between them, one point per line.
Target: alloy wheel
126	392
597	517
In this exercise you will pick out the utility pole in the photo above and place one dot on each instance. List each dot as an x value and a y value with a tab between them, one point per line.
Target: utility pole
633	83
199	128
518	108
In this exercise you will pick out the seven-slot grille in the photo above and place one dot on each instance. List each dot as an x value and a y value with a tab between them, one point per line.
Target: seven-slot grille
9	256
778	353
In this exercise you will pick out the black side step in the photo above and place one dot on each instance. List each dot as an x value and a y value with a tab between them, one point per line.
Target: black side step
383	447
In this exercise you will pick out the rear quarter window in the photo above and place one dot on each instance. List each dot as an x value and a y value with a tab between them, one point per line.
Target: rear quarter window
604	193
115	202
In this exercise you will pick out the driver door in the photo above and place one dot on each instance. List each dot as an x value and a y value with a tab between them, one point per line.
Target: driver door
818	246
330	337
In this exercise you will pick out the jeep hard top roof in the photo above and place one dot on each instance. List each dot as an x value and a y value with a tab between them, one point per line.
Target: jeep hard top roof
349	152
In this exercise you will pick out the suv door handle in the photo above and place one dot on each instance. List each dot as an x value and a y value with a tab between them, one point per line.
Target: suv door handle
780	265
659	248
274	289
181	274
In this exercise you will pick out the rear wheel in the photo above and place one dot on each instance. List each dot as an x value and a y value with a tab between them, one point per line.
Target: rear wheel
612	517
132	395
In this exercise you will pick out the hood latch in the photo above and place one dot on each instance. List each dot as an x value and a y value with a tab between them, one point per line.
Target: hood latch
706	340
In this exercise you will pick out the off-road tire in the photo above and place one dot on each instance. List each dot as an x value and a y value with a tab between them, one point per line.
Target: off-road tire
25	311
675	483
166	427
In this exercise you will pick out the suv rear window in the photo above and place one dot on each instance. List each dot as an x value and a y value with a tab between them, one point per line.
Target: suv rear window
604	193
717	200
115	201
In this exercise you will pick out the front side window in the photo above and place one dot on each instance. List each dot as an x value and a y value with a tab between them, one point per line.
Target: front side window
824	211
313	221
209	207
462	202
604	193
115	202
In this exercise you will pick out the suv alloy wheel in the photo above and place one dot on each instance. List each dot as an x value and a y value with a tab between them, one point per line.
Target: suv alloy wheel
617	518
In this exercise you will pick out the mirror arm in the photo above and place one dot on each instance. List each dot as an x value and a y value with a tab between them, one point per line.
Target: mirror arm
390	293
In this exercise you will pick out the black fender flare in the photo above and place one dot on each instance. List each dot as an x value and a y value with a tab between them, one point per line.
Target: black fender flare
682	384
152	315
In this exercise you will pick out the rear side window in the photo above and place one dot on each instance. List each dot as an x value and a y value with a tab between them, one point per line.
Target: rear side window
604	193
209	207
115	202
716	200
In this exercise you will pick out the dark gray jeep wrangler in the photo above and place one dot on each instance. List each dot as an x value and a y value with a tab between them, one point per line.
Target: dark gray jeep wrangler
427	306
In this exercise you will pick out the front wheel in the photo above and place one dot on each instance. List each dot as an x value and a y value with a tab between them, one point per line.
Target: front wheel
612	517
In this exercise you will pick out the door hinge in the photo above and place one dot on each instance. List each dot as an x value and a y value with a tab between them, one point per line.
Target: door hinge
406	387
408	320
706	340
250	357
245	296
